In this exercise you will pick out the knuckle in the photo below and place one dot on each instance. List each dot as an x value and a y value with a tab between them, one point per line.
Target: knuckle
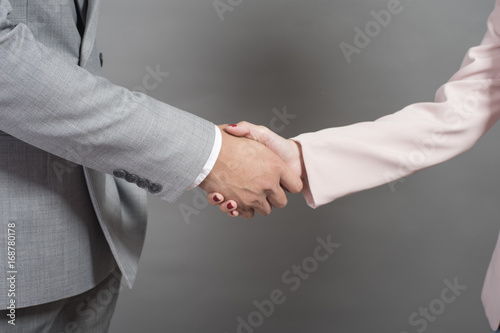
267	184
262	128
259	203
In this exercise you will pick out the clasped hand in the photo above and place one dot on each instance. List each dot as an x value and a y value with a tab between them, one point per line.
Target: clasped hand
253	167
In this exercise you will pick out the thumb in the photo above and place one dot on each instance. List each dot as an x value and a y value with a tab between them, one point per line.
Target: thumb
290	180
240	130
250	131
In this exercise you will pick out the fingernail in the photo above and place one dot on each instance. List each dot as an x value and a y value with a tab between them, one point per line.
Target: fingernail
233	213
230	206
216	199
232	125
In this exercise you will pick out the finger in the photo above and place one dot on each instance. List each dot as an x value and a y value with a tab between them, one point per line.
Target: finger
228	206
215	198
263	207
290	180
239	130
233	213
258	133
277	197
247	214
284	188
250	131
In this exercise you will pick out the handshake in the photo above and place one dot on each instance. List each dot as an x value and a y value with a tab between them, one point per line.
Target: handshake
254	168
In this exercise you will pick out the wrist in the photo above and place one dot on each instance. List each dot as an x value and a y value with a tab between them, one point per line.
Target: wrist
300	165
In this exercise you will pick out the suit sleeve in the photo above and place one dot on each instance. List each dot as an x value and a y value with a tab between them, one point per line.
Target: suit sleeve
63	109
345	160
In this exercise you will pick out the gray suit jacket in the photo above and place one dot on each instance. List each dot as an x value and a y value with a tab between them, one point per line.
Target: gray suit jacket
64	132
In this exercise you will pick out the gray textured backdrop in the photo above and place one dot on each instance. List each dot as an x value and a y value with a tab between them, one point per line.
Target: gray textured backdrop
398	246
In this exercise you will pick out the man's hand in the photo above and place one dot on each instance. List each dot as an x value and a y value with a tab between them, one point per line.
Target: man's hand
250	173
288	150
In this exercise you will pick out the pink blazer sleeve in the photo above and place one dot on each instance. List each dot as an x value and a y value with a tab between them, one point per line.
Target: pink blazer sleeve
340	161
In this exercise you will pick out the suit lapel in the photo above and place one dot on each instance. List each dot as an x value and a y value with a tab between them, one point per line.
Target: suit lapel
90	31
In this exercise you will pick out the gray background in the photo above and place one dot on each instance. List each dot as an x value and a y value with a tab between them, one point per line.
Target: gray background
397	247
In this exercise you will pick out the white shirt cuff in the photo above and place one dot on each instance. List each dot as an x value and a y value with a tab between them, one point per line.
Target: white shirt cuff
211	159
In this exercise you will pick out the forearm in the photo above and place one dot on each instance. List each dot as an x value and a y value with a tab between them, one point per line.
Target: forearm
63	109
340	161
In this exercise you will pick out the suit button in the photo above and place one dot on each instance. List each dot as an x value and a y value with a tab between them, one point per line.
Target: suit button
155	188
120	173
143	183
131	178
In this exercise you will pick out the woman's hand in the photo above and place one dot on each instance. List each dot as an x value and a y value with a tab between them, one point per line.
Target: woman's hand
288	150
